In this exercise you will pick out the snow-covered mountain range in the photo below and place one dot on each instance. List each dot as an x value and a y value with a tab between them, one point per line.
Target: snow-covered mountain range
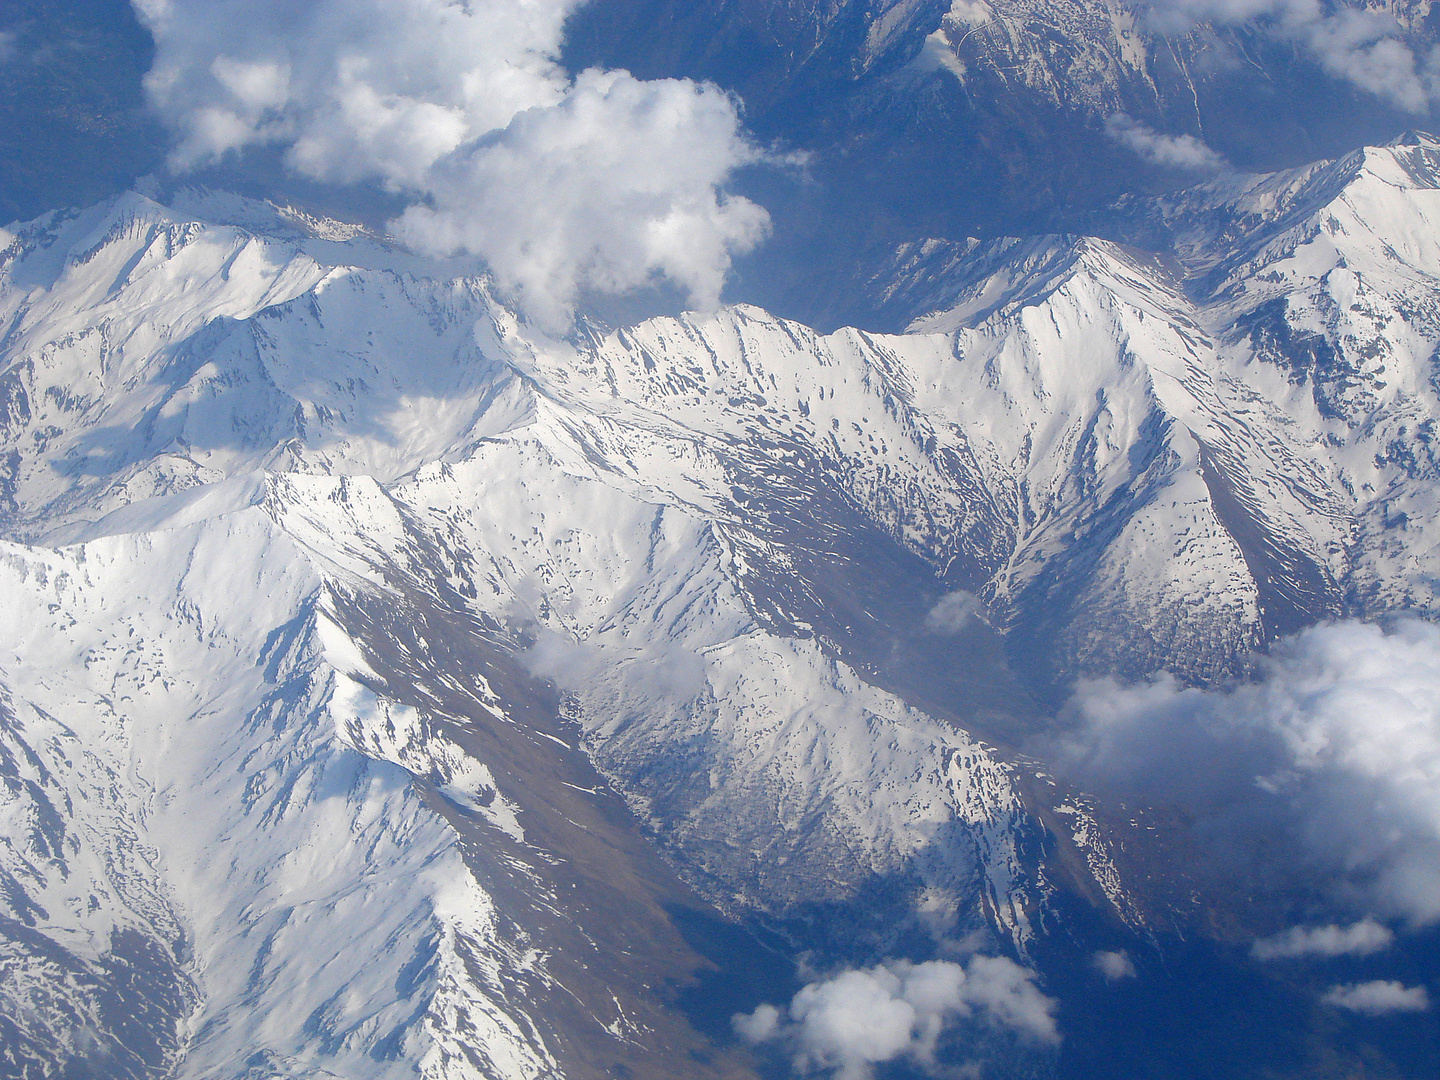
389	687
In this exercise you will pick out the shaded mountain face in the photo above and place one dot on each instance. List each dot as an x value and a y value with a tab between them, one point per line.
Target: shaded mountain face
391	688
917	118
73	122
926	118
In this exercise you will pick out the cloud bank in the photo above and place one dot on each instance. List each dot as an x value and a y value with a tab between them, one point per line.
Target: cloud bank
852	1021
603	182
1362	45
1333	754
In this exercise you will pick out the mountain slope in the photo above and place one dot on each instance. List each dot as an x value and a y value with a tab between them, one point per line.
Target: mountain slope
389	686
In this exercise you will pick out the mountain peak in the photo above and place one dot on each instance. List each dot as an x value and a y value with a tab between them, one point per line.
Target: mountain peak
1415	137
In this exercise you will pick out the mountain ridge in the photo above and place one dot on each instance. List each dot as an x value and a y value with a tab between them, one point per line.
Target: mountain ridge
712	614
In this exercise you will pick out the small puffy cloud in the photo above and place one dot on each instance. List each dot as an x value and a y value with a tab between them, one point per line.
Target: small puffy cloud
1169	151
1335	747
1360	44
1379	997
604	182
1115	966
9	46
954	612
856	1019
1363	938
659	670
758	1026
356	88
1179	16
1007	995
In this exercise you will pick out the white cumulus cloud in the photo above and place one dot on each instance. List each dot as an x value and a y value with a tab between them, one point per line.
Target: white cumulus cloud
1378	997
603	182
1115	966
852	1021
758	1026
616	184
1363	938
1170	151
1333	752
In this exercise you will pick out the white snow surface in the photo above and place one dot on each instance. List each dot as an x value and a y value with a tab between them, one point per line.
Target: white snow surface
216	419
187	727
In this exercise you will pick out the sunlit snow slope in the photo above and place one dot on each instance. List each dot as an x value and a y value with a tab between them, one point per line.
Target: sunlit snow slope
382	682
